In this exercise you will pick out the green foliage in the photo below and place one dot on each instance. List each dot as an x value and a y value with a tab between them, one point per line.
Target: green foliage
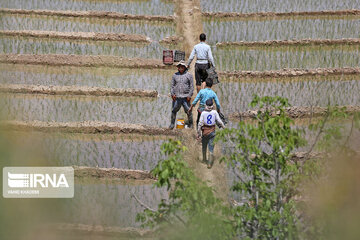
192	211
332	134
267	177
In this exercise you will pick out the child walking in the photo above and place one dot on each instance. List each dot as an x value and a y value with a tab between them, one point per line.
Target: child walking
206	130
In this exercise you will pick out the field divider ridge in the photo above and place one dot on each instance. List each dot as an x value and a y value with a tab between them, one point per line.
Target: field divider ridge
287	73
346	12
295	112
76	90
112	173
83	61
292	42
92	36
89	127
89	14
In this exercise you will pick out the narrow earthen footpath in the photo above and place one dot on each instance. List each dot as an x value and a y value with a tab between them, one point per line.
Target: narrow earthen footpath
189	26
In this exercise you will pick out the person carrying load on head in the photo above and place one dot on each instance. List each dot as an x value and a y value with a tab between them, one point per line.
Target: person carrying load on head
203	96
206	130
182	88
204	58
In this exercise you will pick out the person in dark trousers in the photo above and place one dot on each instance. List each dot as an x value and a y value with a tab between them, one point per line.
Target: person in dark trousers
203	96
206	130
182	88
204	58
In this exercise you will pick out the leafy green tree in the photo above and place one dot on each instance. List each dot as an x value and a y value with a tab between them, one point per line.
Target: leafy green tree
192	211
267	177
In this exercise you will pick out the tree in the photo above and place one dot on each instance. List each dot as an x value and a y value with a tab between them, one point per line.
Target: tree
266	176
192	211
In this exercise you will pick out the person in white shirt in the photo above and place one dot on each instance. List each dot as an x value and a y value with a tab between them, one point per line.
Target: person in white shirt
206	130
203	60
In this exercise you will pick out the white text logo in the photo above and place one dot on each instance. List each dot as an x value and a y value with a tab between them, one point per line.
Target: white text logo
38	182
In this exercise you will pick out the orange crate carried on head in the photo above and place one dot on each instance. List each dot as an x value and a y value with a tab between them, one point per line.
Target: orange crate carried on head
168	57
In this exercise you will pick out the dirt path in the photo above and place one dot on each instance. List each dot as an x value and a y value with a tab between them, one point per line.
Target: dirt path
189	26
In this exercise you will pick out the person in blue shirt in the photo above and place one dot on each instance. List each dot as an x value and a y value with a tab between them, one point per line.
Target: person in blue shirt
203	96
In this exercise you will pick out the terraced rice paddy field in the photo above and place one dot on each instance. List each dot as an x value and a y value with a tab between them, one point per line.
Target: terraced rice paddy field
132	33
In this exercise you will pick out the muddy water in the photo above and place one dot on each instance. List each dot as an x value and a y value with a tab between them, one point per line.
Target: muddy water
20	45
142	7
155	30
236	96
158	80
260	59
72	109
104	151
322	28
250	6
109	204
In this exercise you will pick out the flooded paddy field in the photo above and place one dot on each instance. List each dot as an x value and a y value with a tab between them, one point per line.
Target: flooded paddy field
275	58
154	30
102	201
26	107
138	7
251	6
21	45
309	91
109	204
293	28
158	80
97	150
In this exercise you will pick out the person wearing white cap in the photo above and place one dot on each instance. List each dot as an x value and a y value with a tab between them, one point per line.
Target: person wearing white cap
206	130
182	88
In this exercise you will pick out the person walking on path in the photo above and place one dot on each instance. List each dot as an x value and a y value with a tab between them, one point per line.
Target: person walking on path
203	96
203	60
182	88
206	131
